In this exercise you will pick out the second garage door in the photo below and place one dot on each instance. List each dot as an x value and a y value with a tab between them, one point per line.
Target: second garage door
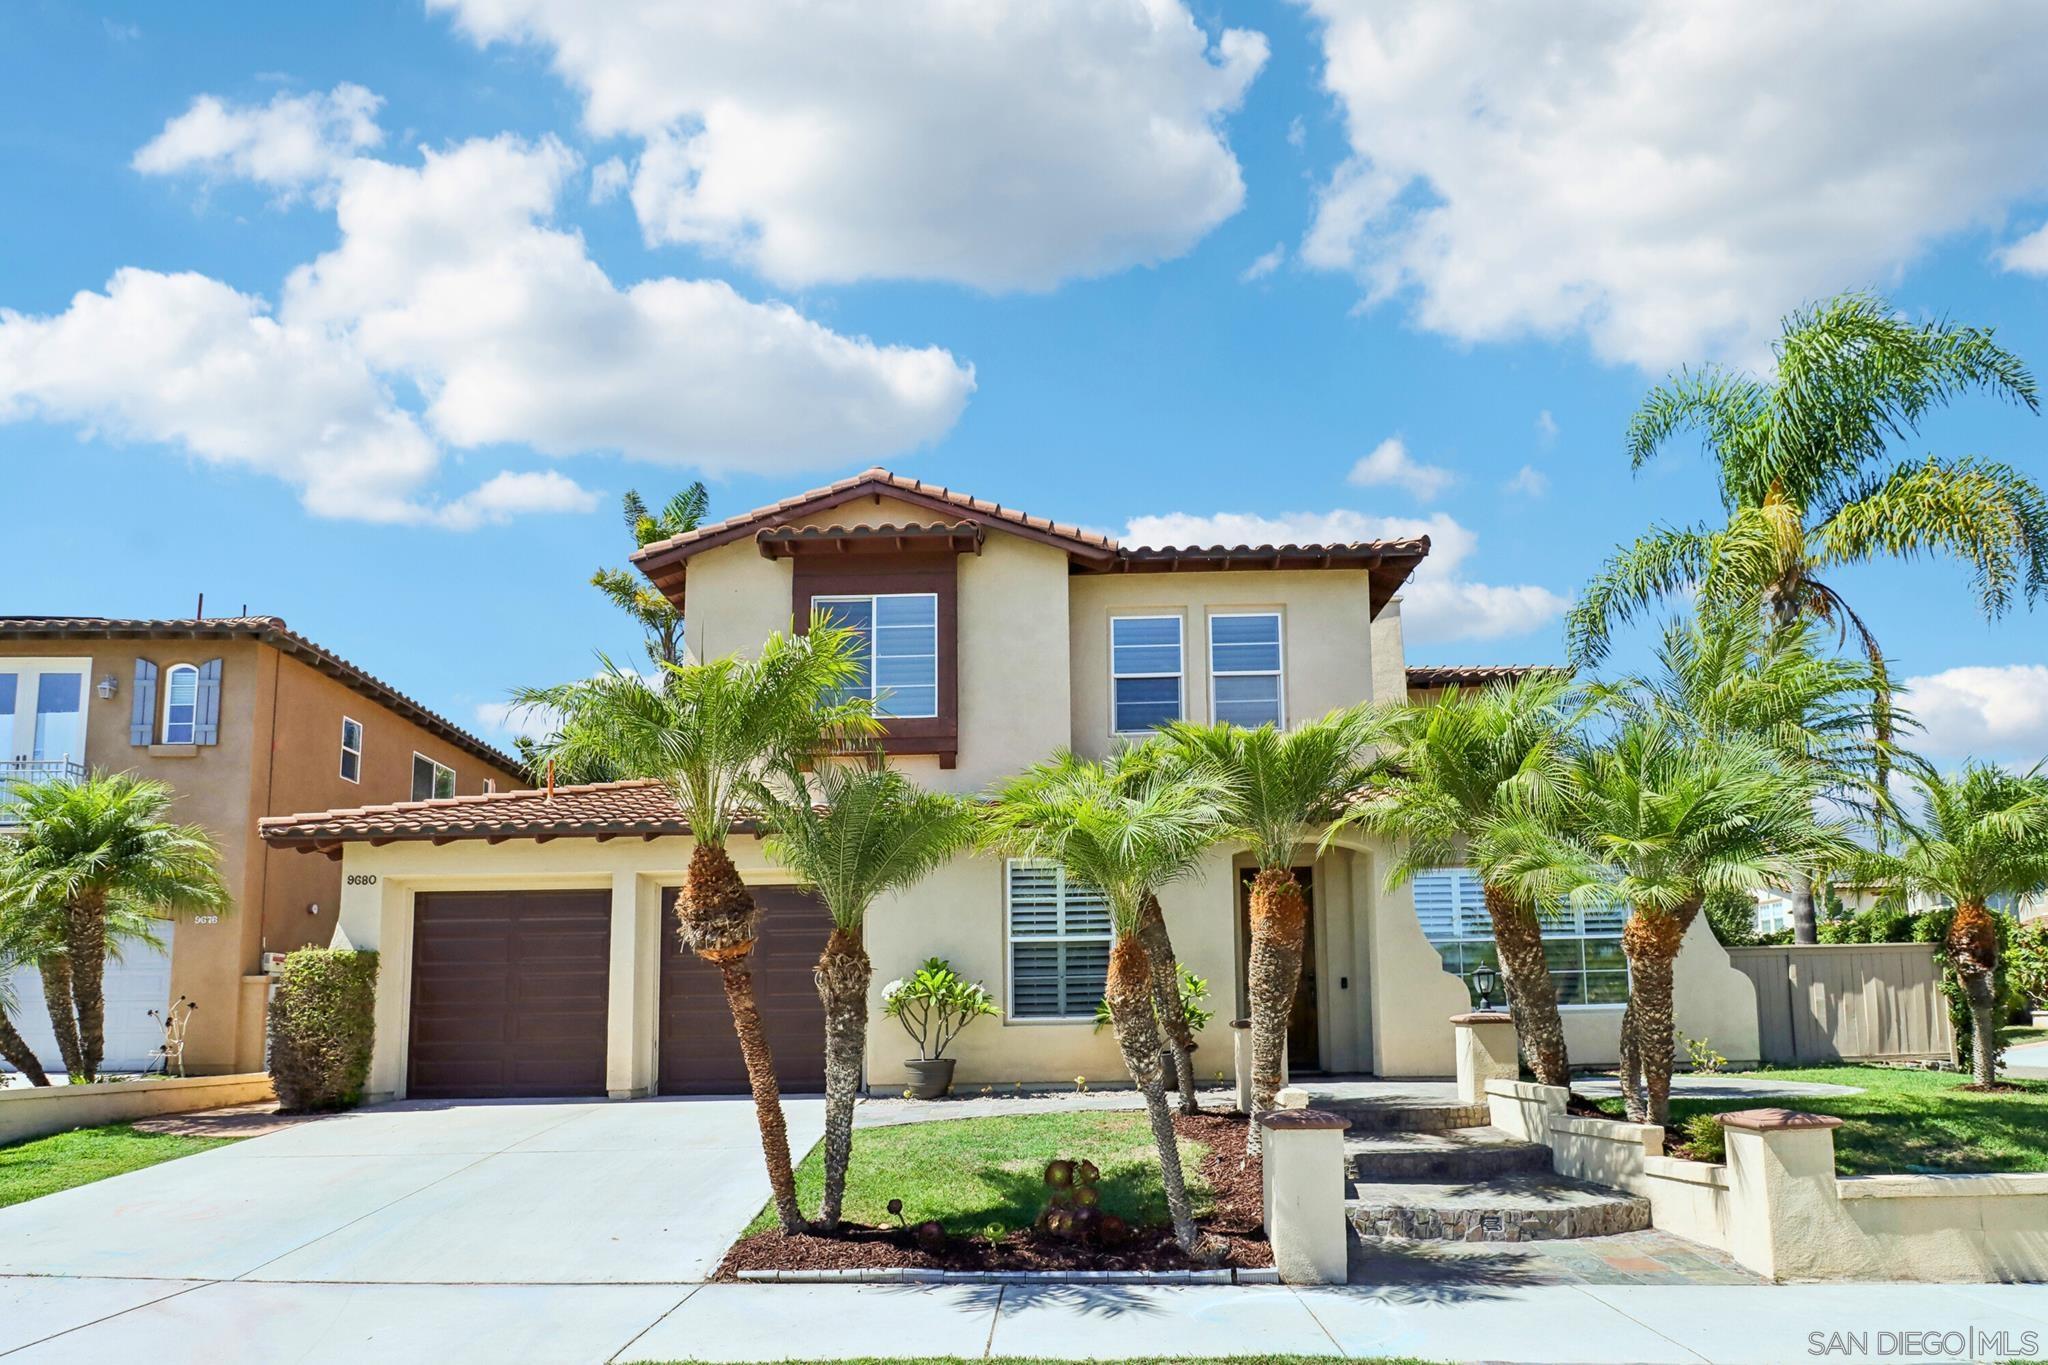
508	993
699	1053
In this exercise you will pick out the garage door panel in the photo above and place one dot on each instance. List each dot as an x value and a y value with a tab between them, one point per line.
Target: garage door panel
509	993
699	1053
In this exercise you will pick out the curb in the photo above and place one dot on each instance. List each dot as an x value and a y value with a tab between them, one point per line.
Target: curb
1261	1275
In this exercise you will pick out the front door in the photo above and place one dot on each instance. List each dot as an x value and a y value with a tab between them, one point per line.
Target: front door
1304	1045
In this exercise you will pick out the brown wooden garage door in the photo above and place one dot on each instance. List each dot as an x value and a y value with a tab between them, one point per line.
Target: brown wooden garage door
508	993
699	1053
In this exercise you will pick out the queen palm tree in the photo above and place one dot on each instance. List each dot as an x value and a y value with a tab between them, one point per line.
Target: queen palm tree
1450	769
1127	839
1980	834
1659	822
1283	789
630	592
707	731
97	850
853	833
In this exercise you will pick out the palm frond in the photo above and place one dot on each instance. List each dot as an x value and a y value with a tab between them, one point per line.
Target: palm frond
1633	580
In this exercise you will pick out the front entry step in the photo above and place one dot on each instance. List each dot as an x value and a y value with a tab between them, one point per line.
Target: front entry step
1460	1154
1520	1207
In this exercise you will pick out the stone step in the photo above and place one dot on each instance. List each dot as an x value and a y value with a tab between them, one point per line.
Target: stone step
1460	1154
1366	1116
1507	1208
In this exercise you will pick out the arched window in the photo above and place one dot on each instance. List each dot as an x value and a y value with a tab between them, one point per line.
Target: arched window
181	704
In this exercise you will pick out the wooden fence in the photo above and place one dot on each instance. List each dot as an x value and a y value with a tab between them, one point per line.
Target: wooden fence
1837	1002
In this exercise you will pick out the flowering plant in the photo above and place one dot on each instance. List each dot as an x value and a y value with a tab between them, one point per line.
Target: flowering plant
934	1003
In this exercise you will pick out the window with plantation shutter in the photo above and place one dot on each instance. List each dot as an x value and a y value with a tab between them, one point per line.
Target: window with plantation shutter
1060	937
1582	943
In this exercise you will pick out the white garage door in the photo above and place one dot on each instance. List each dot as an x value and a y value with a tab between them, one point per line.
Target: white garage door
135	986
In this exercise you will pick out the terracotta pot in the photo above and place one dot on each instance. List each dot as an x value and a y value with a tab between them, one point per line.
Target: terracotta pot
930	1077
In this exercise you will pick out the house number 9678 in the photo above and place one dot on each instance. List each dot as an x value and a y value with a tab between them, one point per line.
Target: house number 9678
362	879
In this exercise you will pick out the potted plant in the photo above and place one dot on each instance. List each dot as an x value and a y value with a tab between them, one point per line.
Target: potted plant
933	1004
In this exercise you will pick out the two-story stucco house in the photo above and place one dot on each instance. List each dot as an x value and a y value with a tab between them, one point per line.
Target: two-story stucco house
242	718
526	943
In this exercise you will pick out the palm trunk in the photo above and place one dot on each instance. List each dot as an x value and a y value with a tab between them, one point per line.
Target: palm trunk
718	918
1630	1072
85	942
56	974
1279	916
19	1055
1973	952
843	976
1651	939
1173	1020
1532	993
1805	923
1137	1037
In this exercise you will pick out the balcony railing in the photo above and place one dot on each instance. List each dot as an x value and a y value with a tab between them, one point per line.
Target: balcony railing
19	771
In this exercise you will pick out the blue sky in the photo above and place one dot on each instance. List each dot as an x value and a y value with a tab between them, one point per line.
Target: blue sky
413	294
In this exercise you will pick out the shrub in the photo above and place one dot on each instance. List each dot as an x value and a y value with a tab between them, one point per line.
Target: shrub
2030	961
322	1022
1704	1140
934	1003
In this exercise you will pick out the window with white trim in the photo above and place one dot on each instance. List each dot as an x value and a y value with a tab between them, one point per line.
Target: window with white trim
181	704
1582	945
431	780
897	646
1145	667
1060	935
351	750
1245	669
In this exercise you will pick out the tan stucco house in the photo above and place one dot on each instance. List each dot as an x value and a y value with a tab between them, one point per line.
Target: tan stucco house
243	718
525	937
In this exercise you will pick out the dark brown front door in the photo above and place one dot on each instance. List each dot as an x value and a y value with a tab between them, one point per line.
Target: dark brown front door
508	993
1304	1043
700	1055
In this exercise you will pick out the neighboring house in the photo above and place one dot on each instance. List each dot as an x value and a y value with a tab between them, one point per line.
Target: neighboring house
1773	910
243	718
995	638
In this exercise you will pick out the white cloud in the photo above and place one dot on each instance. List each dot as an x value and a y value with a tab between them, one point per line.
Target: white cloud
2028	255
1440	603
449	282
1529	482
1666	179
1006	144
1297	133
1546	429
511	719
1982	711
608	180
1390	463
292	141
1265	264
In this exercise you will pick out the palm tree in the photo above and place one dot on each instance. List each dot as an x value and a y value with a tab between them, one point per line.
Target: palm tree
631	592
32	933
1722	677
1981	834
96	850
1283	790
1448	771
1127	839
853	833
1660	822
13	1047
707	731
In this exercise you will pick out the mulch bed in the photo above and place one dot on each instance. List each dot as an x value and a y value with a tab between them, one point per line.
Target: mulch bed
1235	1219
1995	1088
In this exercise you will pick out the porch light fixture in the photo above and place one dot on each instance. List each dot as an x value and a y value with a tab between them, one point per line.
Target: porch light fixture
1484	979
106	687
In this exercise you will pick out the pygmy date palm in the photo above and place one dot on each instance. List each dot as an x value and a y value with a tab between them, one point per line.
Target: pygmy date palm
1450	769
853	832
1127	839
708	731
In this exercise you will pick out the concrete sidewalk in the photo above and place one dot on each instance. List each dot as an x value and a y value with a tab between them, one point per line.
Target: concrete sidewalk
216	1322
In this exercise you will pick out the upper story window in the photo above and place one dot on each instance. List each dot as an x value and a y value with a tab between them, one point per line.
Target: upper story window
352	750
1583	947
1245	669
897	644
42	710
1146	675
181	704
1060	936
431	780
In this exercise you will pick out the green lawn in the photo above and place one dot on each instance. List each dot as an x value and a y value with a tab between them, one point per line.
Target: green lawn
2020	1035
1909	1120
971	1174
30	1170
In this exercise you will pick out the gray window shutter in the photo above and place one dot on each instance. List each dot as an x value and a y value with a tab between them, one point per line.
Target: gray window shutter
142	705
207	729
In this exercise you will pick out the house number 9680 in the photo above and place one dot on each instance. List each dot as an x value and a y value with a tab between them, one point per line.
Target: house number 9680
362	879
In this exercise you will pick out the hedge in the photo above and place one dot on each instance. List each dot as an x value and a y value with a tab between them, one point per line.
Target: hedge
322	1021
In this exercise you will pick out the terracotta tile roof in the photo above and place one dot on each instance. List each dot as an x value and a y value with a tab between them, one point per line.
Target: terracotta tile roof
1428	677
784	541
270	630
598	810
